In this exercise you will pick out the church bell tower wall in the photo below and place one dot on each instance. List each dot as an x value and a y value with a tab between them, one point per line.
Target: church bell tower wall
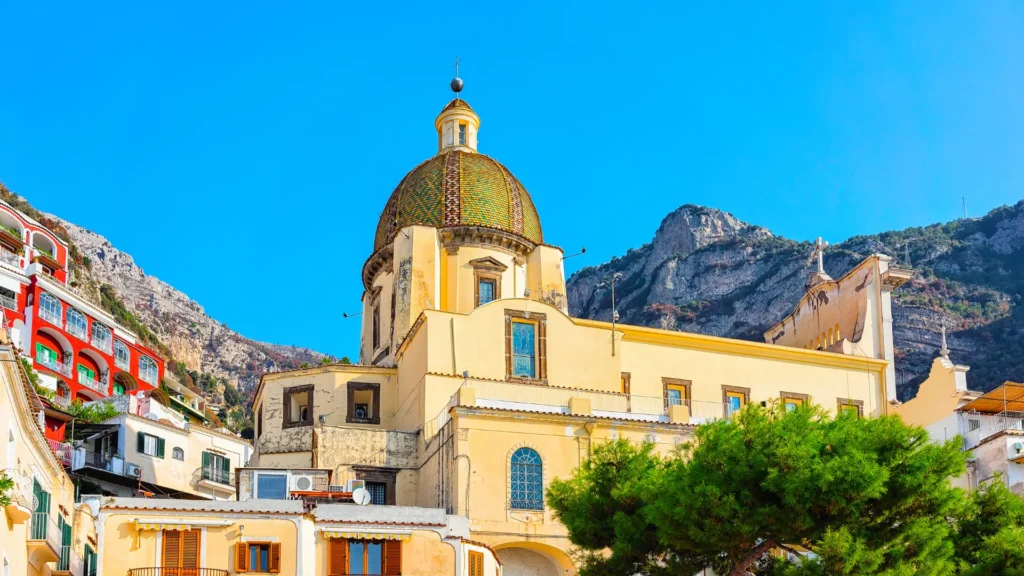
545	277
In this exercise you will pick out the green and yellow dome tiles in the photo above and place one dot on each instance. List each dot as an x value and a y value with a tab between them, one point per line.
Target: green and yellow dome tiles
459	188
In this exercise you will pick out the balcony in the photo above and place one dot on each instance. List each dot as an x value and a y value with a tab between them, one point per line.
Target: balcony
62	450
69	563
62	368
166	571
976	428
44	536
552	400
77	331
9	302
62	401
10	258
96	385
109	462
103	343
51	317
20	508
214	478
12	236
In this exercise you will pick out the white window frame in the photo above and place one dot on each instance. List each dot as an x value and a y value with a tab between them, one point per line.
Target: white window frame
100	342
145	445
174	451
84	336
256	482
145	365
47	303
118	347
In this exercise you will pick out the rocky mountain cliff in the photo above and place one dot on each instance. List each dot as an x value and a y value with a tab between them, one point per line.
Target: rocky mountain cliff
706	271
178	322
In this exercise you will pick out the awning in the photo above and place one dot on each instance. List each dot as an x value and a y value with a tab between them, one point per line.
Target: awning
365	535
161	526
1007	398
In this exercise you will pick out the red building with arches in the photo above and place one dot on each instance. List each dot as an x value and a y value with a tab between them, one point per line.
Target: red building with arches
78	349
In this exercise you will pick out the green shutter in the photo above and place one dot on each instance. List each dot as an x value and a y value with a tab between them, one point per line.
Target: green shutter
142	443
225	465
206	460
67	533
159	447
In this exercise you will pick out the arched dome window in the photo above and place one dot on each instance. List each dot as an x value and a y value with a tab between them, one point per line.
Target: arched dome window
121	357
527	480
77	326
148	371
101	337
50	308
178	454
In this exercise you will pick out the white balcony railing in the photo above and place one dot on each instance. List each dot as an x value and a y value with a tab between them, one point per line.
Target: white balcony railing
77	331
62	450
123	402
976	428
21	492
9	258
58	367
92	384
51	317
8	302
64	401
105	344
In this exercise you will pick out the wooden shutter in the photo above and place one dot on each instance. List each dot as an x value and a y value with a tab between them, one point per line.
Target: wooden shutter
476	563
172	548
337	557
241	557
160	447
392	557
275	557
142	443
190	549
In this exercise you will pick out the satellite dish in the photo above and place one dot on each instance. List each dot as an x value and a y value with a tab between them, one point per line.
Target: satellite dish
361	496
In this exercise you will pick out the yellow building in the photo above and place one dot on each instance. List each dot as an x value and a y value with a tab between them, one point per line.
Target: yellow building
168	537
476	388
44	530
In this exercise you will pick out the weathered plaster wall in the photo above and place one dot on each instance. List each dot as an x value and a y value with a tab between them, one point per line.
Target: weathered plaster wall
546	278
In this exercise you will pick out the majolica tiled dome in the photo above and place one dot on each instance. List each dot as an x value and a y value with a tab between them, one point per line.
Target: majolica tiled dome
459	188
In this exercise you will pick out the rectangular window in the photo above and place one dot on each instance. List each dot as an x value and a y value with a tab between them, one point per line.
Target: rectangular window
181	549
485	292
90	561
85	374
259	420
259	557
378	493
363	403
476	563
462	134
45	356
791	400
676	391
524	349
216	468
272	486
298	406
855	407
150	445
734	398
375	329
365	557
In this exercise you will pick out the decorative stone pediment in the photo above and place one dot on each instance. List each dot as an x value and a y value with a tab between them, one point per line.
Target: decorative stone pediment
488	263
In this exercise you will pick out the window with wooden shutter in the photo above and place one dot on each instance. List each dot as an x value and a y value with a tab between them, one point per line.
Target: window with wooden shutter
337	557
476	563
275	557
392	557
181	549
241	557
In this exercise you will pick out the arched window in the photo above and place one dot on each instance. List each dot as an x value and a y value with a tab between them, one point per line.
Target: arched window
77	326
121	357
50	309
178	454
527	473
101	337
148	371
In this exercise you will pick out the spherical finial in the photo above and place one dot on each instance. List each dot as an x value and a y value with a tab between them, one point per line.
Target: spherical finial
457	85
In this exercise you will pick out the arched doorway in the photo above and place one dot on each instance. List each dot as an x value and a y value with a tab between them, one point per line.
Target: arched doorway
532	559
123	384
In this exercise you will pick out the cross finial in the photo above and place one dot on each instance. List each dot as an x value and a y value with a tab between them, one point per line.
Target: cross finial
457	82
457	60
819	251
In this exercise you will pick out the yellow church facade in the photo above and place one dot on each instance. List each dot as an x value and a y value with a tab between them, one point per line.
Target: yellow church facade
475	388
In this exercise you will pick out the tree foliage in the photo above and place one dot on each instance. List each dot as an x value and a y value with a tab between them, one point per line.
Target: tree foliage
868	496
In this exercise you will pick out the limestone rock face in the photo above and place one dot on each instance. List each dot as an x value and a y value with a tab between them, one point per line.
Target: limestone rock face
194	338
707	272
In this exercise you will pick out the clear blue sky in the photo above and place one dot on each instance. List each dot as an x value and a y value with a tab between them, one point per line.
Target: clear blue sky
243	152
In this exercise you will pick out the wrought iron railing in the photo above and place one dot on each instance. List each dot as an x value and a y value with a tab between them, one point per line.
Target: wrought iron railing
62	450
45	528
64	401
213	475
169	571
104	343
91	383
21	492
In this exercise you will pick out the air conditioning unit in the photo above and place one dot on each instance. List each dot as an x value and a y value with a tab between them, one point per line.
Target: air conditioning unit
301	483
336	488
132	470
352	485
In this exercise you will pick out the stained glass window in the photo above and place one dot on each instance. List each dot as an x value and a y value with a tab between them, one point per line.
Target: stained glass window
527	480
524	349
486	292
